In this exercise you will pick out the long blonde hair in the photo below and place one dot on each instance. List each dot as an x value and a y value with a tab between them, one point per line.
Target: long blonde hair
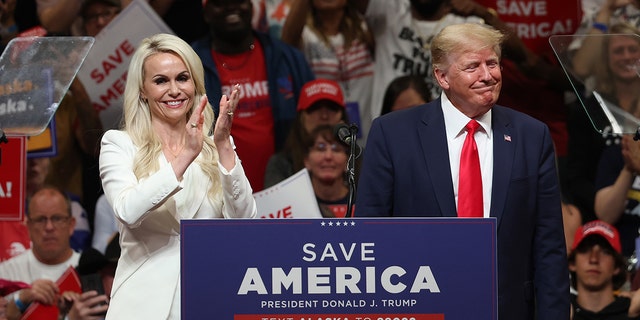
137	115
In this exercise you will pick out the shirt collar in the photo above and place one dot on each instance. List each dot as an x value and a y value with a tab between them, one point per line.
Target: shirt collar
455	120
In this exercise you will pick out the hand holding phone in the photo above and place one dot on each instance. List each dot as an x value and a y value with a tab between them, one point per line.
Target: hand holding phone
98	302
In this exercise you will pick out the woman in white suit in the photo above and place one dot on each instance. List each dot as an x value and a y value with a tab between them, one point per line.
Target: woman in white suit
164	166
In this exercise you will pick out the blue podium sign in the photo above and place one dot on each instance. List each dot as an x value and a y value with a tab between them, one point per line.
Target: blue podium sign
356	269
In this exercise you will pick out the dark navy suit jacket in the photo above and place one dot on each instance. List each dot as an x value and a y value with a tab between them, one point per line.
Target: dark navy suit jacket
406	172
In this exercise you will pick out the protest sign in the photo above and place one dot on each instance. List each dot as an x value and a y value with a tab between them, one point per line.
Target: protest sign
104	72
534	21
12	178
356	269
291	198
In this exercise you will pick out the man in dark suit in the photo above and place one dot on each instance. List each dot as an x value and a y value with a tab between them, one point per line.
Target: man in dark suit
411	167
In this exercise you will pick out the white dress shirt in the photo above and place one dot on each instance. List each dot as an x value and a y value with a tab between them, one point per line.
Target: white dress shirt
455	122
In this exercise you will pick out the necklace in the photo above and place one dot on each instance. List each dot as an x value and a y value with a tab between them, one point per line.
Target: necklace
244	55
175	155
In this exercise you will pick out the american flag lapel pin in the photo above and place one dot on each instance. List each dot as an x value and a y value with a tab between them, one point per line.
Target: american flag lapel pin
507	138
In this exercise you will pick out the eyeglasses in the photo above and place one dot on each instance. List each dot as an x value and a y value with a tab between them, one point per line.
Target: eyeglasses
56	221
323	146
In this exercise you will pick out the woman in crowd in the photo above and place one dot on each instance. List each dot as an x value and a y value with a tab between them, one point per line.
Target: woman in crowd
326	160
321	102
616	181
338	46
169	162
405	92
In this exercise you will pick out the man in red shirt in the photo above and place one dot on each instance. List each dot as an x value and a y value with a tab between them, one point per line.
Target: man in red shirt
270	74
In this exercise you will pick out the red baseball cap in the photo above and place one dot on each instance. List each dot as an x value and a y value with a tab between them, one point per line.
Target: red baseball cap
601	228
320	89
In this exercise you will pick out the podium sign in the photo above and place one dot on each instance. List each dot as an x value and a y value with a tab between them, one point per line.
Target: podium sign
362	268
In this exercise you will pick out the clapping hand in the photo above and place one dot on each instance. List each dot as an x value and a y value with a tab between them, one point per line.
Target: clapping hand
222	129
228	106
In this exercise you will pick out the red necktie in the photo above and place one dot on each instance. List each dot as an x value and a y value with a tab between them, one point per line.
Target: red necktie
470	179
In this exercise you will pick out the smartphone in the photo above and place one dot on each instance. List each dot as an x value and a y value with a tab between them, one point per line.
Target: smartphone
93	282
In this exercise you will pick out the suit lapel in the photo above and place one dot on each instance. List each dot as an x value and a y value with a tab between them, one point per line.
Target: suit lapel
504	142
433	139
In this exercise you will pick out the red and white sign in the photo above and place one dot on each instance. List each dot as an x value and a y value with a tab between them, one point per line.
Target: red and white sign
13	161
534	21
291	198
104	71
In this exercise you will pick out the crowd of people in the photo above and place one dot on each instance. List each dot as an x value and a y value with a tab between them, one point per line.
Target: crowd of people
489	126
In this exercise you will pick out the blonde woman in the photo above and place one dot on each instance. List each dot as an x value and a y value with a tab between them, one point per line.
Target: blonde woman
168	162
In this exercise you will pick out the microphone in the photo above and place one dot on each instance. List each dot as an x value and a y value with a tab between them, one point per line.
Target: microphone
347	134
343	133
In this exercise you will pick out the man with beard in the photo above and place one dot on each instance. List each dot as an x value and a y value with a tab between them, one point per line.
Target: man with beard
598	269
269	72
403	30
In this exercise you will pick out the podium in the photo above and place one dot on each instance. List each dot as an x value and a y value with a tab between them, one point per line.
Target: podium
360	268
35	74
594	89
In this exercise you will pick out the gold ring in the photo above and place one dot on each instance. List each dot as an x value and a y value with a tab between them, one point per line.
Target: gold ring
194	125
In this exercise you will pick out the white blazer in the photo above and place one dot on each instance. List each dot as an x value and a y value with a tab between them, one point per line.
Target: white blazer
147	281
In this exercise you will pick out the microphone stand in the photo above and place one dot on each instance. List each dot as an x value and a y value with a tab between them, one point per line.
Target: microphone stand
351	163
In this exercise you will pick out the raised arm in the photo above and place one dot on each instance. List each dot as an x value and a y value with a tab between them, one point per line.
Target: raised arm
294	24
610	201
588	55
57	16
